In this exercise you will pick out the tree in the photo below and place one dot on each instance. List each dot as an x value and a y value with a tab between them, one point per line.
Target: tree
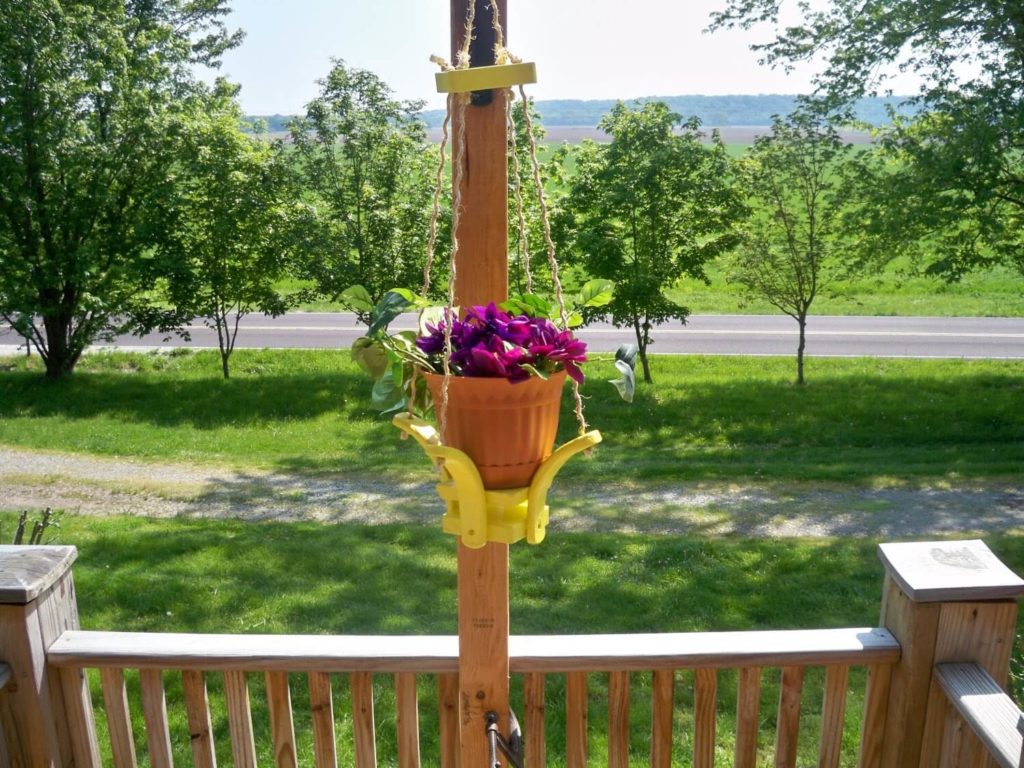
651	206
958	165
86	89
363	156
795	181
227	220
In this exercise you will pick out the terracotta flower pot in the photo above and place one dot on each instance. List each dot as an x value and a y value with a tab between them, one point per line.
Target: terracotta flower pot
507	429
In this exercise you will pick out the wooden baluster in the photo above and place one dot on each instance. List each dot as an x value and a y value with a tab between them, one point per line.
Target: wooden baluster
876	700
533	692
748	707
408	720
576	720
154	711
789	717
236	695
662	697
282	729
618	720
833	710
362	719
200	729
322	713
705	705
119	721
448	715
81	728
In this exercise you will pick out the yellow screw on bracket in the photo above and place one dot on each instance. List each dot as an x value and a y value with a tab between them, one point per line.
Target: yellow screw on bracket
478	515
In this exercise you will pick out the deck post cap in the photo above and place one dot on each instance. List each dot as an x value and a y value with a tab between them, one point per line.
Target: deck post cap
944	571
27	571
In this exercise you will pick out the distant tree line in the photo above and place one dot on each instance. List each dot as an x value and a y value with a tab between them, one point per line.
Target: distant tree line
133	197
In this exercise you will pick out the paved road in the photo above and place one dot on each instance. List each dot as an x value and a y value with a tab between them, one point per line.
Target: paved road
704	334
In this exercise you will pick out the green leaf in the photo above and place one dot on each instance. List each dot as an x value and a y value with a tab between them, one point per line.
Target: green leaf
596	293
387	309
626	383
575	320
369	355
356	298
529	304
414	299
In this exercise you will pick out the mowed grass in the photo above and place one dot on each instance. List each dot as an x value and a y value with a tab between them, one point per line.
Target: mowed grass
705	419
227	576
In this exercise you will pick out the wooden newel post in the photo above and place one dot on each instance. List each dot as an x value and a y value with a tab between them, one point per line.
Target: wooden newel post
482	276
946	601
37	603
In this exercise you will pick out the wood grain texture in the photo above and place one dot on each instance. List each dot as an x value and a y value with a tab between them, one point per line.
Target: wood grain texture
748	709
876	702
576	720
704	717
986	708
832	715
944	571
197	709
434	654
788	731
662	703
448	715
57	613
363	729
483	643
154	712
534	725
236	697
26	572
282	728
408	714
321	705
79	722
618	720
119	721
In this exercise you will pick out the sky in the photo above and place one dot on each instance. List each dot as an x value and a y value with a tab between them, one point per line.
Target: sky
584	49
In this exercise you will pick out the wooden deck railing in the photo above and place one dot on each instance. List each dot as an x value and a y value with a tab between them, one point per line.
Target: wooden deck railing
237	657
978	702
943	602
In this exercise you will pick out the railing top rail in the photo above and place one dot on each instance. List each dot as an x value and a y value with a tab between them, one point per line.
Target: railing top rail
986	708
439	654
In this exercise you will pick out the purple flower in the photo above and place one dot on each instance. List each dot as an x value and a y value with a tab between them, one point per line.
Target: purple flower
491	342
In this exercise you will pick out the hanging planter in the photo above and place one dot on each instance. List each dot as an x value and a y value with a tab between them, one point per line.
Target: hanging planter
508	429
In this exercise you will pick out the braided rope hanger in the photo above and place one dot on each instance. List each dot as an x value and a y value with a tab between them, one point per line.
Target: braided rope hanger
459	100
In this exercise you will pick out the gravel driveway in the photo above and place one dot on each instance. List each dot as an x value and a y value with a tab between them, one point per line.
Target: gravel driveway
90	485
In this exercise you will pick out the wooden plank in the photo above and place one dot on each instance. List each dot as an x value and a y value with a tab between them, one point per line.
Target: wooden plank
363	730
408	720
321	707
154	711
282	727
945	571
533	693
876	700
78	706
662	700
27	571
197	708
448	715
832	715
236	697
576	720
438	655
986	708
618	720
748	709
5	675
705	709
119	722
789	717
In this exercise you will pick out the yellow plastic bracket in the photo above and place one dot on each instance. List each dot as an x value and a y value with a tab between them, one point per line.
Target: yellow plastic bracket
478	515
485	78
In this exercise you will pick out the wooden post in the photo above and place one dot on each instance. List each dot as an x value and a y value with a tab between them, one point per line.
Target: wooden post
943	601
37	603
481	277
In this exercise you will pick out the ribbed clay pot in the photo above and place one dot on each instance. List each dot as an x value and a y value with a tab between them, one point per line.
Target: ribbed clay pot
507	429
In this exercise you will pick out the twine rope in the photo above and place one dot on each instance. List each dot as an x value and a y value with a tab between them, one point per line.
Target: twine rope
522	246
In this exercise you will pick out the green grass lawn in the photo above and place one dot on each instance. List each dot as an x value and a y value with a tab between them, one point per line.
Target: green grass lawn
227	576
726	419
